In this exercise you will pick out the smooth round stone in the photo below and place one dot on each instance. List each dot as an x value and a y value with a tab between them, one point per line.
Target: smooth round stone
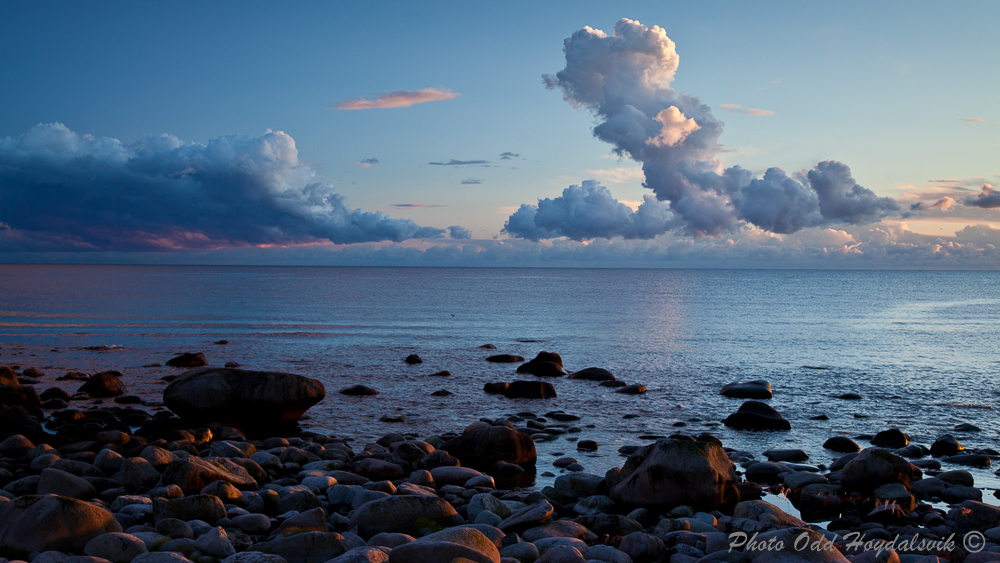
253	523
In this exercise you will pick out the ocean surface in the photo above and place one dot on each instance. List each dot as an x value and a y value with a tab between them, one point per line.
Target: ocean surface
921	347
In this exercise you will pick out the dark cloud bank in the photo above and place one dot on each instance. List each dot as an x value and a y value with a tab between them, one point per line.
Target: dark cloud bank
61	190
625	80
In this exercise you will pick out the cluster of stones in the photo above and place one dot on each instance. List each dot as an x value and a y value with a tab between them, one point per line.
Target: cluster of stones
118	485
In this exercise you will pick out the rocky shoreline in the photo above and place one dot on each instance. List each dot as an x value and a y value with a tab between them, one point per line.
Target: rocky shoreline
234	479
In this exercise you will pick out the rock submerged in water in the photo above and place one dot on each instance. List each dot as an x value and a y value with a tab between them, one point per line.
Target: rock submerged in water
530	390
592	374
104	384
505	359
243	397
841	444
358	390
496	387
873	467
413	359
484	447
545	364
188	360
893	438
670	473
754	415
758	389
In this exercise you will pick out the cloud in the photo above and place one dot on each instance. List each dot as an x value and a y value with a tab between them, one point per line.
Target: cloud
413	205
62	190
586	212
398	99
625	80
457	232
508	156
454	162
367	163
736	108
943	204
974	120
988	198
470	181
617	175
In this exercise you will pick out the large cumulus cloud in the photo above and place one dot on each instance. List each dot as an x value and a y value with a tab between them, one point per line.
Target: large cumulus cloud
63	190
586	212
625	80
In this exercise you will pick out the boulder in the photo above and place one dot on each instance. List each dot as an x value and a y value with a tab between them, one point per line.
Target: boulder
893	438
194	474
530	390
248	398
496	387
65	484
358	390
972	515
592	374
20	395
874	467
104	384
8	376
447	546
115	547
754	415
945	446
52	523
634	389
400	514
188	360
670	473
413	359
207	508
484	447
841	444
505	359
545	364
759	389
527	517
310	547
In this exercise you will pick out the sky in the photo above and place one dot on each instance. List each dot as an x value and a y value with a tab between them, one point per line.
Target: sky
638	134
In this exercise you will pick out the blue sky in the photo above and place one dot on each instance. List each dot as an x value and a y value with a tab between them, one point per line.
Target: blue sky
889	89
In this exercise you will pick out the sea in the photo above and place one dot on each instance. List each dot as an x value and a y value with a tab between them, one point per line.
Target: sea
921	347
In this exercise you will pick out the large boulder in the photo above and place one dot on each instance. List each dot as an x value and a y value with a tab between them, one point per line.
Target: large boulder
593	374
188	360
484	447
400	514
671	473
310	547
104	384
207	508
20	395
754	415
545	364
447	546
759	389
52	523
529	390
8	376
874	467
247	398
194	474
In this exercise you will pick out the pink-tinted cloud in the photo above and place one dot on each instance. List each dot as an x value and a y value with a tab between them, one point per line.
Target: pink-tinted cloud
988	198
974	120
737	108
943	204
367	163
399	99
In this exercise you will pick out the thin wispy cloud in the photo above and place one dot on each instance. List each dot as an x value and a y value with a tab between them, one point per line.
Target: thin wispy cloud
943	204
367	163
413	205
508	156
980	120
398	99
737	108
454	162
471	181
618	175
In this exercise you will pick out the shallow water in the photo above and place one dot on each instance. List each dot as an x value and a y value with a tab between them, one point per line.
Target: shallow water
919	346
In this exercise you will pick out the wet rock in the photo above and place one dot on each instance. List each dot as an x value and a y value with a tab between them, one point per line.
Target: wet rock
634	389
196	507
819	498
530	390
592	374
249	398
400	514
842	444
587	446
786	455
956	494
484	447
957	477
972	515
872	468
675	472
358	390
20	395
896	493
188	360
970	460
505	359
442	393
457	476
65	484
52	523
945	446
447	546
310	547
115	547
496	388
850	397
528	517
893	438
437	458
413	359
614	384
545	364
8	376
759	389
754	415
104	384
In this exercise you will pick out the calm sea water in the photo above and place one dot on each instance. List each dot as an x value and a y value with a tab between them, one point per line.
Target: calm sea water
921	347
